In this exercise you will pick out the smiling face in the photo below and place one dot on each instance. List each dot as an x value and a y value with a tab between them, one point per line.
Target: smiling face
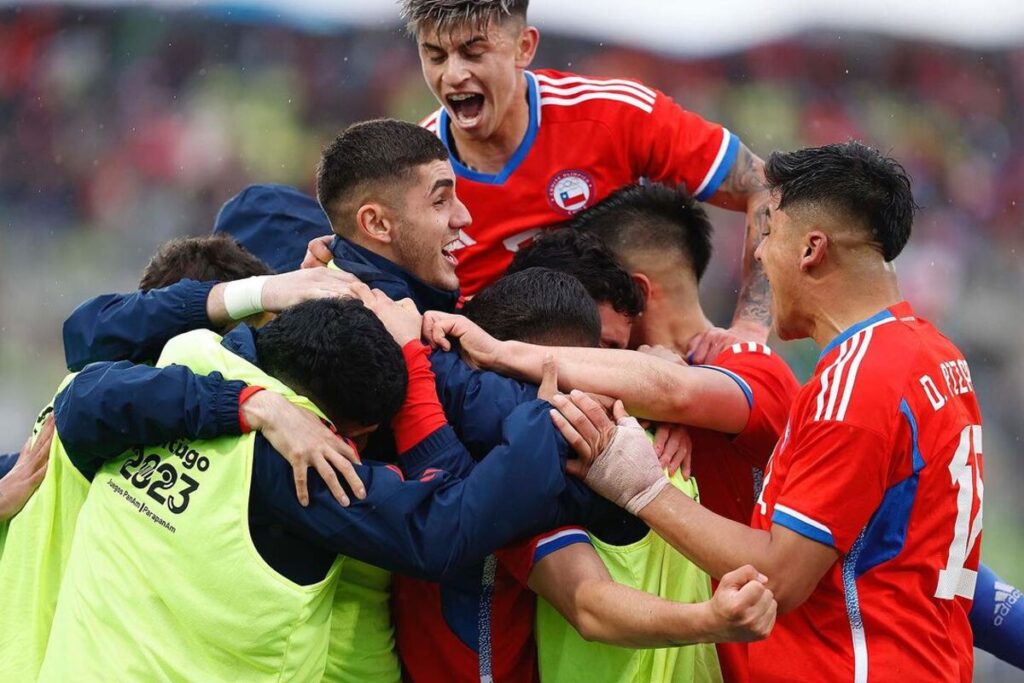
427	225
476	72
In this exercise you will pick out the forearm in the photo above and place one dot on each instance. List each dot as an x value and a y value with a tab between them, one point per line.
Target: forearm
650	387
612	613
133	326
753	306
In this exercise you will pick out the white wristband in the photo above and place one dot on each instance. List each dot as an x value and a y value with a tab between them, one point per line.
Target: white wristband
242	298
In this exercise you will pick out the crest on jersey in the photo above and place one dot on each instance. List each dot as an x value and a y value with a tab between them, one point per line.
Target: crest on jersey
570	190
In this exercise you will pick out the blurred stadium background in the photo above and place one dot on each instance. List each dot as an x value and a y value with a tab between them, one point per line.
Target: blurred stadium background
121	127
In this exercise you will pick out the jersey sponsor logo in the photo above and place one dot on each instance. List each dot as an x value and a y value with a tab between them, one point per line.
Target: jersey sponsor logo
570	190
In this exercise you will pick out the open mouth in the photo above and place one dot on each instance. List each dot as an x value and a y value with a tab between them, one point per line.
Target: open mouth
448	252
466	107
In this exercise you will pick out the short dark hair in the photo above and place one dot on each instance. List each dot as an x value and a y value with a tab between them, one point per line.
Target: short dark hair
651	216
446	15
539	306
370	155
210	257
853	181
589	260
337	353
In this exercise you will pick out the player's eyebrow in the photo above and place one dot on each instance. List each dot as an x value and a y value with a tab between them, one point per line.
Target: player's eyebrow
443	182
469	43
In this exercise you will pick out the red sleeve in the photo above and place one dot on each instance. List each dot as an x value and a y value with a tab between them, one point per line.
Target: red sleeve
675	146
835	480
520	558
772	388
421	414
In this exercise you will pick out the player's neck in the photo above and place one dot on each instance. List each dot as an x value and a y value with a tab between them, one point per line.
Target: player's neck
672	321
839	308
491	154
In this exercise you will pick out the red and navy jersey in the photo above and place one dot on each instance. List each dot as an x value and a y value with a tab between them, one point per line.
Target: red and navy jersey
729	468
882	460
586	138
479	625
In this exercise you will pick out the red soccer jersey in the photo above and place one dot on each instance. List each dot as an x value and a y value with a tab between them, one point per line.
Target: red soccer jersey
881	460
586	138
729	468
479	625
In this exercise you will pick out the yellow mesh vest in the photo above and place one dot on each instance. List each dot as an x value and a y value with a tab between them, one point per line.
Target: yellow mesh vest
164	583
37	545
650	565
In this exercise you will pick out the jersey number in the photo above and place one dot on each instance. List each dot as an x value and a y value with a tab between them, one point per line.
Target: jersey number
965	470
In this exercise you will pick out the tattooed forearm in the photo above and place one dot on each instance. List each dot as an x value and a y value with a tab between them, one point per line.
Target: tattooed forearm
745	179
754	304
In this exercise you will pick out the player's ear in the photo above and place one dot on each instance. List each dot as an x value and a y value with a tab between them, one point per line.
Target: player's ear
373	222
814	246
644	283
526	46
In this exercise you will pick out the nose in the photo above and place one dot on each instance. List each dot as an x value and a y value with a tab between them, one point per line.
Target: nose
455	71
460	217
757	251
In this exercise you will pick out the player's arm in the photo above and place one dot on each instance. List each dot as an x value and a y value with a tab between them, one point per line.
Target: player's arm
576	583
795	553
997	618
26	473
136	326
743	189
433	526
651	387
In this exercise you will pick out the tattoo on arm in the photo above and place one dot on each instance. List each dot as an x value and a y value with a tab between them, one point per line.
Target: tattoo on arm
745	179
754	304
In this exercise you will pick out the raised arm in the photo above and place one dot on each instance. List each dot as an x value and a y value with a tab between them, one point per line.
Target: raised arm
743	189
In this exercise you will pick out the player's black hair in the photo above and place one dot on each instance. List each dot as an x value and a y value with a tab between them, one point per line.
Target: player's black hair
206	258
446	15
539	306
370	156
853	181
589	260
650	216
337	353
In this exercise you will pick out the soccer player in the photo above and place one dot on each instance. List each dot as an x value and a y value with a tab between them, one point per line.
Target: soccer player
663	237
481	622
532	148
869	523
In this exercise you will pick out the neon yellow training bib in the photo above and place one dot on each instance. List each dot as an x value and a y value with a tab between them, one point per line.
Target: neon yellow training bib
650	565
164	583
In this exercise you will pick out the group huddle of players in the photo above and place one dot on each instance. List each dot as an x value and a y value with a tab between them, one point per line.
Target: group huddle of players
495	360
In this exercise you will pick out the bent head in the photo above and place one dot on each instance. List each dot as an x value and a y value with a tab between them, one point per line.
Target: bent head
838	215
662	236
537	306
337	353
206	258
388	186
585	257
473	53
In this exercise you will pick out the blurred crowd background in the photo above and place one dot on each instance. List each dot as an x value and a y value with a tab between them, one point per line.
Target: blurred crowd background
121	128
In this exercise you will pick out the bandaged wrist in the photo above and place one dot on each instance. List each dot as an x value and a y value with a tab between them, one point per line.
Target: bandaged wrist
243	298
627	472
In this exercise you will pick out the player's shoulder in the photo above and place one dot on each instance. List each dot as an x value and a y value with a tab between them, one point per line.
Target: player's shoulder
863	374
431	121
747	356
564	96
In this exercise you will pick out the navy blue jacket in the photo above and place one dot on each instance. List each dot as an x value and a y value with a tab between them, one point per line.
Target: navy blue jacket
427	528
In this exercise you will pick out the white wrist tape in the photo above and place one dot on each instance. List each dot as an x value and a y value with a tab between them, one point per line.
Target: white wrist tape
242	298
628	472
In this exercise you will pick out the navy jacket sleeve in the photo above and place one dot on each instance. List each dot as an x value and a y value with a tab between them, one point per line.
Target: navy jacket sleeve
110	407
7	462
476	401
442	450
432	526
133	326
997	618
